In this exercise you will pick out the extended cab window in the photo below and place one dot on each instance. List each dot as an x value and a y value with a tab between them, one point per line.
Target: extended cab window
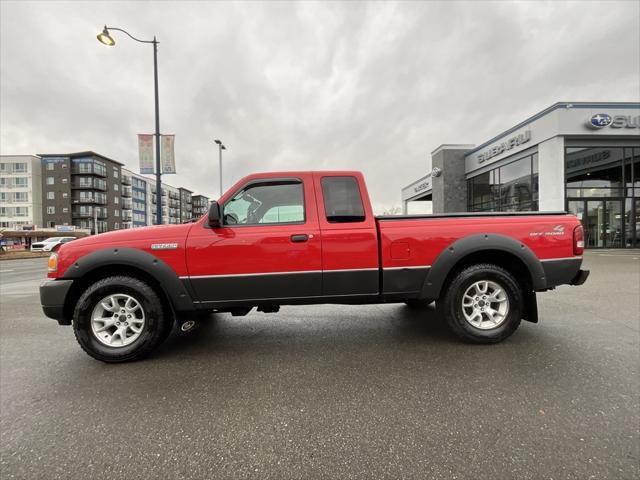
269	202
342	201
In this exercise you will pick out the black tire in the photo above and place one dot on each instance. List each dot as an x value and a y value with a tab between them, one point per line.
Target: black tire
451	303
417	304
156	328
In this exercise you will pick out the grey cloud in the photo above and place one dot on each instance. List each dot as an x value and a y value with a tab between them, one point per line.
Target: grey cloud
308	85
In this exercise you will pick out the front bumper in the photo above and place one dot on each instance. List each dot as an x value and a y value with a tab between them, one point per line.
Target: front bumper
53	294
580	277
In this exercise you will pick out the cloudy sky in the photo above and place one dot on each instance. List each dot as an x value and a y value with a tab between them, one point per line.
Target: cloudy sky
303	85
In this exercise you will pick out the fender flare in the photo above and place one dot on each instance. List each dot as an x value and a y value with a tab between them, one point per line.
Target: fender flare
459	249
166	277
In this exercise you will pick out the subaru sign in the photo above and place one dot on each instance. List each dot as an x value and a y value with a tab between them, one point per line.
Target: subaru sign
600	120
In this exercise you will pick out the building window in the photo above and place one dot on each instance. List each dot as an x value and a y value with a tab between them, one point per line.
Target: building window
64	180
21	196
65	210
115	187
510	188
50	166
51	195
51	181
116	200
65	195
21	182
116	213
22	211
20	167
51	210
594	172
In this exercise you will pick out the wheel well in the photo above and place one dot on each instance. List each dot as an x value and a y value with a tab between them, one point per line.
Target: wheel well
501	258
81	284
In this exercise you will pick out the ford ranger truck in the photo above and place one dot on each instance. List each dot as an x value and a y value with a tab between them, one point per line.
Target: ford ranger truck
293	238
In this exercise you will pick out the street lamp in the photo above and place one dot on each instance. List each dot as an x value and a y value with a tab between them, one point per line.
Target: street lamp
105	38
220	148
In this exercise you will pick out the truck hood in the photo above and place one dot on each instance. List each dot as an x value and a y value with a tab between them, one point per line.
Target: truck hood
122	237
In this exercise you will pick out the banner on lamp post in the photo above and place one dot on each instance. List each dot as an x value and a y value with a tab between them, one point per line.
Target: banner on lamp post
167	154
145	152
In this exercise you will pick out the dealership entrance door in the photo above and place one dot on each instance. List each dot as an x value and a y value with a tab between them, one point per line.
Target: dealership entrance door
602	221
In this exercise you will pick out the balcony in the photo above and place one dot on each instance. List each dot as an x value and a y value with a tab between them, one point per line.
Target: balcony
126	216
90	183
126	179
126	191
88	169
99	199
127	204
87	212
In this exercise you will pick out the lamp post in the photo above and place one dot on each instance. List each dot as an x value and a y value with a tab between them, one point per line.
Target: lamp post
106	38
220	148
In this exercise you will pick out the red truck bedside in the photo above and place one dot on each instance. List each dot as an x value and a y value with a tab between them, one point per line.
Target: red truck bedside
308	238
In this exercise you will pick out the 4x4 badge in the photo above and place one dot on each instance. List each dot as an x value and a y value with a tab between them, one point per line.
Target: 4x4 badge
164	246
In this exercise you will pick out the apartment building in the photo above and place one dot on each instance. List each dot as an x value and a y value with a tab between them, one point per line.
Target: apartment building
200	205
20	191
186	205
83	189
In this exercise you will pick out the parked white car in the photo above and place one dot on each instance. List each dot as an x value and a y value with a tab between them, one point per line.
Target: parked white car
50	244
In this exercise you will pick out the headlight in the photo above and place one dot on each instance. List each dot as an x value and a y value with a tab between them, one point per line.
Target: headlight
52	264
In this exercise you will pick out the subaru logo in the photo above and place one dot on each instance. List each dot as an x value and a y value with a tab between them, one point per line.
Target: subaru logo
600	120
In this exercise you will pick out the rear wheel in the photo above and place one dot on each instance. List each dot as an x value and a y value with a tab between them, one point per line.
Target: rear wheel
118	319
483	304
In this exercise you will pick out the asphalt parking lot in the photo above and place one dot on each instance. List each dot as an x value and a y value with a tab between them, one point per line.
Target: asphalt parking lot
332	392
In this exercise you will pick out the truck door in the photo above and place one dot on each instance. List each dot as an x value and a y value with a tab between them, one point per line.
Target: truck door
349	236
267	248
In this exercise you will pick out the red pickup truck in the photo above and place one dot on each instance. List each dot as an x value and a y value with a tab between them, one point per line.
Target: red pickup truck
307	238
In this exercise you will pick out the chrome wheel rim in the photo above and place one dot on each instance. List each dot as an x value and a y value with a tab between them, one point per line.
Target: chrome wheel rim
485	305
117	320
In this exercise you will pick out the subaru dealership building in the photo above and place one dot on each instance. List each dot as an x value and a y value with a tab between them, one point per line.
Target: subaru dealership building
580	157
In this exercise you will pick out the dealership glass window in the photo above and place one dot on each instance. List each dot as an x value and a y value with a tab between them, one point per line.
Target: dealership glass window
342	201
511	187
594	172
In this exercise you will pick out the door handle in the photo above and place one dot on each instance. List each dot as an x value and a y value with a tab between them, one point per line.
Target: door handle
302	237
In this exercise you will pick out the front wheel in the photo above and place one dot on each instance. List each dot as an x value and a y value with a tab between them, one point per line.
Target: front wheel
118	319
483	304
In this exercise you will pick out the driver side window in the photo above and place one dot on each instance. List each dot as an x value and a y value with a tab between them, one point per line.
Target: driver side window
269	202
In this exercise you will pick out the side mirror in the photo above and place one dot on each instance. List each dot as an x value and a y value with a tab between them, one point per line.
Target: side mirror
214	215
